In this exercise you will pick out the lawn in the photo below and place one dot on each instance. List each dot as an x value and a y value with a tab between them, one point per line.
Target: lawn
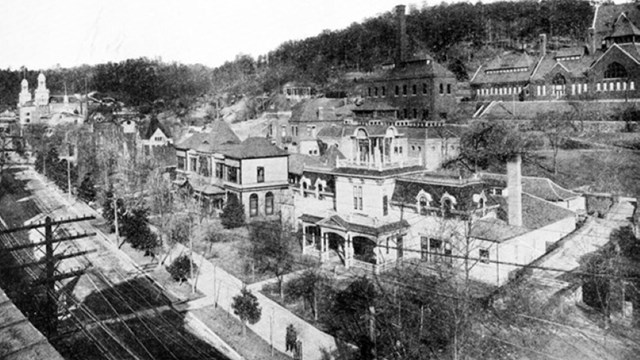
250	347
230	251
597	170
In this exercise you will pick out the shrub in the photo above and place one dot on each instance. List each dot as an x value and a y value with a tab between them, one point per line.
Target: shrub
180	268
233	214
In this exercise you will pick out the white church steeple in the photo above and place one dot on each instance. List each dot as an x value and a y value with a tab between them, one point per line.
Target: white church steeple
25	94
42	93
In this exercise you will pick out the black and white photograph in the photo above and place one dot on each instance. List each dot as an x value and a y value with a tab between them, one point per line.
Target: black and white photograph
320	180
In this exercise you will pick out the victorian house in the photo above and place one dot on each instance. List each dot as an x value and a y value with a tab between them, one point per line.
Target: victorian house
216	165
374	211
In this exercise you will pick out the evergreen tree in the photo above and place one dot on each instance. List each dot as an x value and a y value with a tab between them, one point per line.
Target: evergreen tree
233	214
246	306
87	190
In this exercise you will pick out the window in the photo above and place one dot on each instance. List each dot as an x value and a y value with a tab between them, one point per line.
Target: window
384	91
424	246
193	164
397	90
385	205
357	197
414	89
232	174
425	114
375	91
158	138
615	70
448	88
369	92
441	88
484	256
424	88
260	174
205	164
253	205
404	89
405	113
181	163
447	206
268	203
423	204
284	130
219	170
415	113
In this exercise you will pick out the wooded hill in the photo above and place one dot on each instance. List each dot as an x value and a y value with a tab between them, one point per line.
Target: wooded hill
460	35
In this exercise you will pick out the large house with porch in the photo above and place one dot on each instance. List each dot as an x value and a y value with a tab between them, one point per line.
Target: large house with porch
371	211
216	165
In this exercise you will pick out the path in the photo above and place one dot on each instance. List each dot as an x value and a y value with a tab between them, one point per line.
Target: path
220	287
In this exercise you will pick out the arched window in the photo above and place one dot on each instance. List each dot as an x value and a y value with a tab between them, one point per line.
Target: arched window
423	204
268	203
253	205
615	70
559	80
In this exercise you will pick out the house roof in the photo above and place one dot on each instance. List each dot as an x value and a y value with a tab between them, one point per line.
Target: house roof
330	156
407	189
575	68
307	111
154	124
297	162
624	27
507	60
218	134
20	339
606	16
537	186
377	173
252	148
357	223
536	213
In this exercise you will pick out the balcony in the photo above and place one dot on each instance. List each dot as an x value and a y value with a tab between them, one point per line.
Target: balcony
377	165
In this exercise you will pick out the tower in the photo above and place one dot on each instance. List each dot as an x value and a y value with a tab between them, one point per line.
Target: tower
25	95
42	93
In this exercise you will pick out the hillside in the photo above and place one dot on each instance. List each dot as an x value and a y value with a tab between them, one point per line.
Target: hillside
460	35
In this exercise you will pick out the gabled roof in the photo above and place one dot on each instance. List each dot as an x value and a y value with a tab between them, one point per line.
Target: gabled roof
575	68
154	124
606	15
218	133
252	148
507	60
624	27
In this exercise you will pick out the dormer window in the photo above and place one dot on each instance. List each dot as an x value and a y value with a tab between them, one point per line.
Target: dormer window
447	204
424	200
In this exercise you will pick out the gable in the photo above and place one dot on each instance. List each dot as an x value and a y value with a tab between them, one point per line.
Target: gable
614	54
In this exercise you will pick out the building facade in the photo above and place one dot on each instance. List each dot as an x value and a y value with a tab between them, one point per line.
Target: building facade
216	166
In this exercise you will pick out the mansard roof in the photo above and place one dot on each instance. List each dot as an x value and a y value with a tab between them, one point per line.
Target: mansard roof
407	189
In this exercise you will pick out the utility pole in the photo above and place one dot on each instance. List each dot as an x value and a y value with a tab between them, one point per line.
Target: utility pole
50	262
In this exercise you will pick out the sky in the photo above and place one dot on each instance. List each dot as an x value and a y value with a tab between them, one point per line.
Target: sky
44	34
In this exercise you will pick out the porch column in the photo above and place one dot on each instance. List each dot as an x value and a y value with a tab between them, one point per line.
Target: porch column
348	252
323	254
304	238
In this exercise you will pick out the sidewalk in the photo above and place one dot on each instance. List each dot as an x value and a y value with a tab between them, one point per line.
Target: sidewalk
220	287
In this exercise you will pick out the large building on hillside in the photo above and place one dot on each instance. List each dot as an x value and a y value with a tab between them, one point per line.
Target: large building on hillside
216	165
607	66
415	88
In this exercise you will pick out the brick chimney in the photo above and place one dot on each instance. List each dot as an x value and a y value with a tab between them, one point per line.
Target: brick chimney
403	42
514	191
543	45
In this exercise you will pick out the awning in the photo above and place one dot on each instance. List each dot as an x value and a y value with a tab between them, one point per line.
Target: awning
208	189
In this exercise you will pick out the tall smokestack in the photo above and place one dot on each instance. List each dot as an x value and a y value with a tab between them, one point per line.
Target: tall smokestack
403	43
543	45
514	191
